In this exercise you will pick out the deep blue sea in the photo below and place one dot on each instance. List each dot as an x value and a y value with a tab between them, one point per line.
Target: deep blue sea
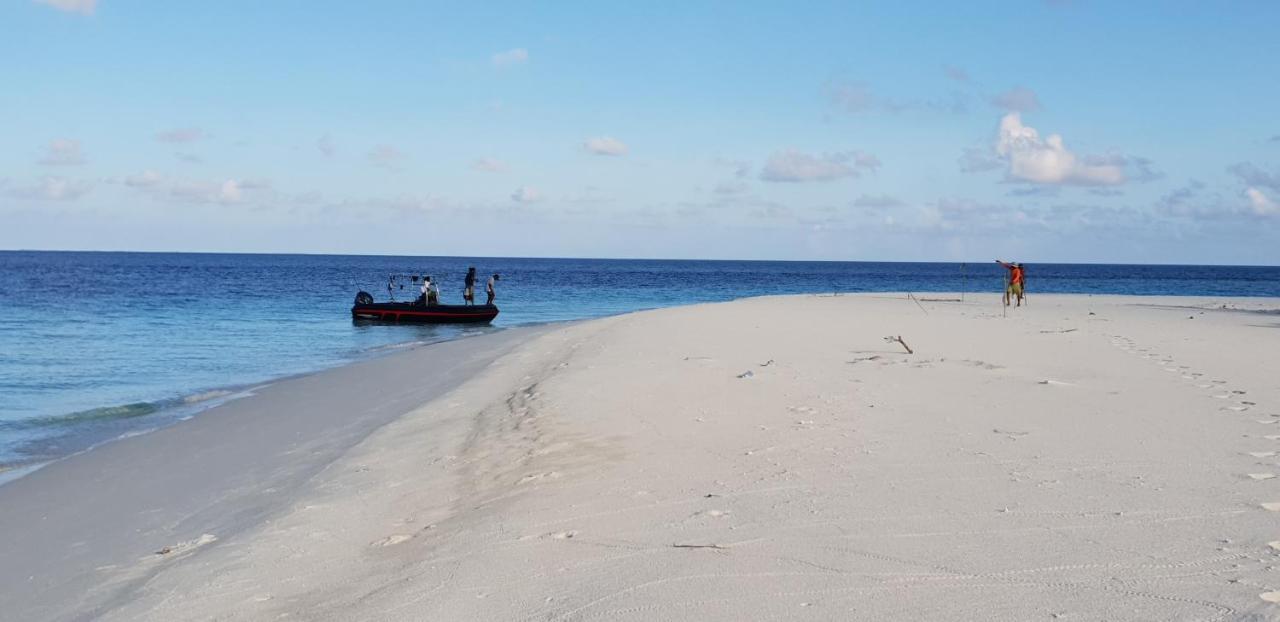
98	345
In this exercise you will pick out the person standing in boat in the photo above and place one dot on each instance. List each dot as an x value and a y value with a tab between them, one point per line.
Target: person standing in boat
488	288
469	287
433	293
428	291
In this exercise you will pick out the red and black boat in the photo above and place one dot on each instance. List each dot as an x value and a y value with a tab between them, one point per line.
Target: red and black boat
365	309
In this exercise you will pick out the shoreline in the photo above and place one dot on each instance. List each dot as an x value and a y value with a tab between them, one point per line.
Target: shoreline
220	472
606	443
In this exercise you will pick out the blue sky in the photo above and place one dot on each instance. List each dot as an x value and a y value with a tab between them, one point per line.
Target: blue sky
1043	131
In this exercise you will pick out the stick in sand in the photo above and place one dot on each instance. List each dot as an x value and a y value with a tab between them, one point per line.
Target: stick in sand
898	339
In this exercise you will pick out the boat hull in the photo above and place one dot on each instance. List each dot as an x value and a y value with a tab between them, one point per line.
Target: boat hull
407	313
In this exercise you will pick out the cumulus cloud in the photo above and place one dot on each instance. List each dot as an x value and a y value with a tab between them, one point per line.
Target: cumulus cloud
1260	203
489	165
53	189
1017	99
386	156
1046	160
63	152
180	135
517	56
605	145
526	194
795	166
83	7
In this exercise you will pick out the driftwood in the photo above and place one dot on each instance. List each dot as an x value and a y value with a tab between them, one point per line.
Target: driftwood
699	546
898	339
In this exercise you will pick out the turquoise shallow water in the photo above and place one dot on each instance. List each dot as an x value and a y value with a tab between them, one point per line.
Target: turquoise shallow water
95	345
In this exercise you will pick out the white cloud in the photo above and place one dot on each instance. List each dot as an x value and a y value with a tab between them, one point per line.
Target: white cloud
145	179
1047	160
83	7
517	56
1261	204
53	189
605	145
1017	99
180	135
489	165
63	152
525	194
226	192
794	166
386	156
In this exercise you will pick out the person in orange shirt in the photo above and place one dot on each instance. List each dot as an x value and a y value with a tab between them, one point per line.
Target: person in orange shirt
1017	280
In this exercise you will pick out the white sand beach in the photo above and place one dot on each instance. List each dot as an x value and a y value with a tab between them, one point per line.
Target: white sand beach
1083	458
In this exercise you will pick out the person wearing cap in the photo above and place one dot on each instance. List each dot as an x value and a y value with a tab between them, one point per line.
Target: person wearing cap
488	288
1017	279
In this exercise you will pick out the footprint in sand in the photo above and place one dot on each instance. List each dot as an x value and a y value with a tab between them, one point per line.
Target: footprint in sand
392	540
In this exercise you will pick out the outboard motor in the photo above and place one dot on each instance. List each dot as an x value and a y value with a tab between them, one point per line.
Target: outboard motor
363	298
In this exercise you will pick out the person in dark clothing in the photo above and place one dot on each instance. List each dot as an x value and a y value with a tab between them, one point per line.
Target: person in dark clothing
469	289
488	288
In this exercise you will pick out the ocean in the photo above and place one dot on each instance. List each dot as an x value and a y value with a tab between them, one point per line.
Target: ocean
94	346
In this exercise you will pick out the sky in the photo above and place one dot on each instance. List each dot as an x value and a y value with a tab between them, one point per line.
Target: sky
1058	131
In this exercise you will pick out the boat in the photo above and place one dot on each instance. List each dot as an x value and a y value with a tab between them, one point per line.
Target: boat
365	309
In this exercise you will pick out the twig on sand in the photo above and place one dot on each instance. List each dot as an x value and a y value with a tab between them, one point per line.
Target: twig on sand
699	546
1067	330
746	374
898	339
767	363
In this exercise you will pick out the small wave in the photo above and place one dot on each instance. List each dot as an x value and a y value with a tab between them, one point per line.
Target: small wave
396	346
206	396
127	411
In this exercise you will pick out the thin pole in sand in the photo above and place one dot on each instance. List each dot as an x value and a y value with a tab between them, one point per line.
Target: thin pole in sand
964	282
1004	298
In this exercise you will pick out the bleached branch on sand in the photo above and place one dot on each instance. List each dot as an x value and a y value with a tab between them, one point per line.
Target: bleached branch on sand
898	339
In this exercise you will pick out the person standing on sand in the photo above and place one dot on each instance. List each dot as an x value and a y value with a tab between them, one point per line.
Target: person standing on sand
488	288
1017	279
469	287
